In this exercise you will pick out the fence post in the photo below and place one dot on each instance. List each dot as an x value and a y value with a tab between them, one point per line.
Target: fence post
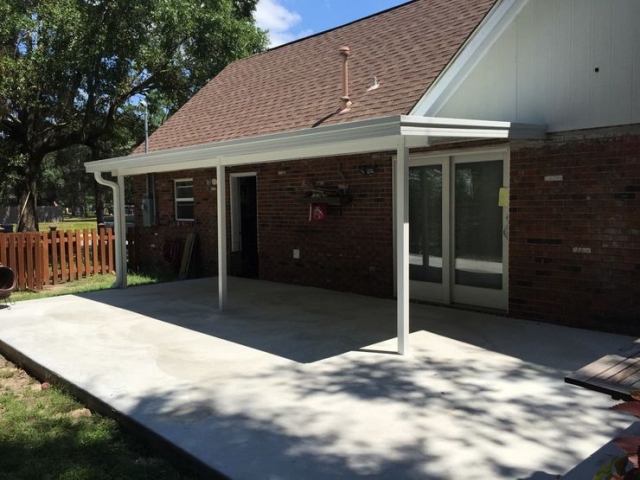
45	259
3	248
63	257
111	245
29	252
96	258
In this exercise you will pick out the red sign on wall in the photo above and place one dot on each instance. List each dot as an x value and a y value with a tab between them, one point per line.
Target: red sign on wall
317	212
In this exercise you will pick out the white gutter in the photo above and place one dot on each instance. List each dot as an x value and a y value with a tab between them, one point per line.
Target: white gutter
381	134
119	221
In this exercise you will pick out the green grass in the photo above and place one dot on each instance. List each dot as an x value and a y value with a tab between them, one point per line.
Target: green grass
47	434
90	284
70	224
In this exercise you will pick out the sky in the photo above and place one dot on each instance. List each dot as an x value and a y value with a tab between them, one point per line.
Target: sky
289	20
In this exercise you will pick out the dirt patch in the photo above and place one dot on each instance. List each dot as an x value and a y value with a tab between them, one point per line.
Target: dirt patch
13	378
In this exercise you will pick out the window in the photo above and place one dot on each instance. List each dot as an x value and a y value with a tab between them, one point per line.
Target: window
184	199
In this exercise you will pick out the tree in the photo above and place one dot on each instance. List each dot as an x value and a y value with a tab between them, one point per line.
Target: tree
68	68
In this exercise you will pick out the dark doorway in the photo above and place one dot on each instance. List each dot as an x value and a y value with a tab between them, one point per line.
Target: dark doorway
247	193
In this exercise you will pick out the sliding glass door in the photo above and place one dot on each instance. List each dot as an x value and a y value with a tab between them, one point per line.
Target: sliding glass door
457	233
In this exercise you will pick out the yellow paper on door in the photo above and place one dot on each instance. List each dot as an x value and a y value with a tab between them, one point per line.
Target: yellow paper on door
503	197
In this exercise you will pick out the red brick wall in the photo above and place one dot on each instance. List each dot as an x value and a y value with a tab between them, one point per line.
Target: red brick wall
575	237
155	239
351	251
595	208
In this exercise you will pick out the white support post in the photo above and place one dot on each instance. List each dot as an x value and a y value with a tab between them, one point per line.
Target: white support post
222	237
402	244
120	218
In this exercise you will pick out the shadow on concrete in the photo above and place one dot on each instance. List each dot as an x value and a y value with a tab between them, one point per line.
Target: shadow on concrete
307	324
477	417
481	397
297	323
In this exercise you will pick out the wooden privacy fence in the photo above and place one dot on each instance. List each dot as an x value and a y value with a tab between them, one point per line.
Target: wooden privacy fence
50	258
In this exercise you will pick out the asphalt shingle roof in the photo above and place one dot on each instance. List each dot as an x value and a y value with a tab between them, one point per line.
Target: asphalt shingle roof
293	86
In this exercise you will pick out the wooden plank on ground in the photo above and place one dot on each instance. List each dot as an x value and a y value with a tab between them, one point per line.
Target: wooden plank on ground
186	256
617	374
595	368
632	381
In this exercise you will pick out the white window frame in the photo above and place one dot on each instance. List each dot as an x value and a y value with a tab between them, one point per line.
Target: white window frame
177	200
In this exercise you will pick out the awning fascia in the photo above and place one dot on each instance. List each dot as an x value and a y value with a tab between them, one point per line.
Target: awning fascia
381	134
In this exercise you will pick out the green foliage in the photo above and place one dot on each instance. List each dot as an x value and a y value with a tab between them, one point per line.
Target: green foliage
72	71
43	436
89	284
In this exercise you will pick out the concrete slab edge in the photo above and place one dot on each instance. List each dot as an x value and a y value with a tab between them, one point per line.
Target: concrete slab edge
182	459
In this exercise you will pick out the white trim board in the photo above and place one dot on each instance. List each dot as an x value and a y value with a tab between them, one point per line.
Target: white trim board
471	53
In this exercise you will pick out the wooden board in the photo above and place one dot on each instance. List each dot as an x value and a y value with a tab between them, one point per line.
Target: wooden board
186	257
617	374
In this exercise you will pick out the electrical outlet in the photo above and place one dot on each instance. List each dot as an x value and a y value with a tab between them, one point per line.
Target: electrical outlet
296	253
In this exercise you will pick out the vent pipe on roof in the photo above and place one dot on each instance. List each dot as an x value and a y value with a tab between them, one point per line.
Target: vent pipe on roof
346	101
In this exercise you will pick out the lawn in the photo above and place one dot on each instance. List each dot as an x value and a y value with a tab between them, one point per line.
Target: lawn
70	224
89	284
45	433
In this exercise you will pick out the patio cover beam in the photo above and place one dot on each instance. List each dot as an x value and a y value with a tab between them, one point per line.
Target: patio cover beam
388	134
377	135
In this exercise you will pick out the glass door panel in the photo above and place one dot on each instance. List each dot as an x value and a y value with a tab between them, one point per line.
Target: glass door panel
478	225
425	223
457	248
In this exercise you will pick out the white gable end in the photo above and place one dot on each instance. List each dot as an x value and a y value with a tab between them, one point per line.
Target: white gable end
568	64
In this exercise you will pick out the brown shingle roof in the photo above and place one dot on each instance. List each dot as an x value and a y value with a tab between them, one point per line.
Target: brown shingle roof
293	86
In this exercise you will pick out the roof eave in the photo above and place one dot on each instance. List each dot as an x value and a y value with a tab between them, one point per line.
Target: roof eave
381	134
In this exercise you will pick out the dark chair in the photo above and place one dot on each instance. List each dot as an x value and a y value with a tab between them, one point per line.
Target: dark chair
7	282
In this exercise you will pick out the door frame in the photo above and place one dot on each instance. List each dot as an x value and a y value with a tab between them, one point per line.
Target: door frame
236	221
446	295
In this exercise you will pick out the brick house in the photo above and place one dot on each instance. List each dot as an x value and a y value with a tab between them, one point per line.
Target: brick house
467	152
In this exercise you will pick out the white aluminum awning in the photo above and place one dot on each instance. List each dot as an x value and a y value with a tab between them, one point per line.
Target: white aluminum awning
397	133
375	135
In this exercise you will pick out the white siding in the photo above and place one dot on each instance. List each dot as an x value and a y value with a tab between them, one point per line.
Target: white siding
543	68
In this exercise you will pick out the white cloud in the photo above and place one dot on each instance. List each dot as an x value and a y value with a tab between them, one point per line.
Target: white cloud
279	21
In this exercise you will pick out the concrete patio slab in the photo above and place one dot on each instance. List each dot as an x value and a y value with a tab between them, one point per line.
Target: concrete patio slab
296	382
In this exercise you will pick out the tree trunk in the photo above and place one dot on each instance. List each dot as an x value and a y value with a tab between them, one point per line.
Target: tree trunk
27	214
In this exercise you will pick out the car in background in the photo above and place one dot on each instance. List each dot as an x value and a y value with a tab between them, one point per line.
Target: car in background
129	211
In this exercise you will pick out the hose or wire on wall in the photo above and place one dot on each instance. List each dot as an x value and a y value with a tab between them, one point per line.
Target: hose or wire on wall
172	252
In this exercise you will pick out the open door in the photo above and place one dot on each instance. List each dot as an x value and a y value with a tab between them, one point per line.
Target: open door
244	225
